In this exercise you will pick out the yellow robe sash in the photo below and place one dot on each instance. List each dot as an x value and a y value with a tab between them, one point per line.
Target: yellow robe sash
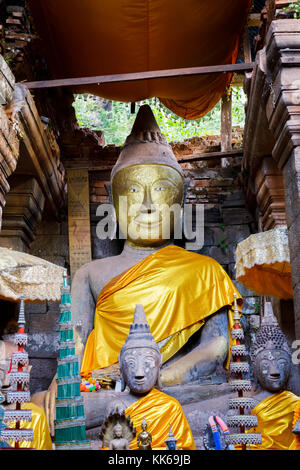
275	422
41	435
160	410
178	290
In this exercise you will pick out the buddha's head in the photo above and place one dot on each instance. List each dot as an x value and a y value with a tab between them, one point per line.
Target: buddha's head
146	182
270	355
118	431
140	358
144	425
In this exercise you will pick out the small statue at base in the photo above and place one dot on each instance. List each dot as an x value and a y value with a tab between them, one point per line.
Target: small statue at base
117	430
119	442
140	362
271	360
144	439
171	441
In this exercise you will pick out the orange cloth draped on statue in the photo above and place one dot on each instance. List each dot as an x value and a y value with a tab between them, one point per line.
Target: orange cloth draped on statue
275	416
178	290
92	37
160	411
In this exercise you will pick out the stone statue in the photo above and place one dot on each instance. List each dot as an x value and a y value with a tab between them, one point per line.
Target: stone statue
271	362
117	430
186	301
119	442
144	439
270	354
140	361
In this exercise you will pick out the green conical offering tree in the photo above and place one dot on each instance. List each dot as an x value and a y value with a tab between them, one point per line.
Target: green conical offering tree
69	425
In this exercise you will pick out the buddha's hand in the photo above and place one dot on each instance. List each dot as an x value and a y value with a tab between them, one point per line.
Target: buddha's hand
50	405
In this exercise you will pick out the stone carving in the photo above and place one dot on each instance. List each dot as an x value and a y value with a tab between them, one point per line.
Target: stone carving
140	358
140	361
270	354
117	430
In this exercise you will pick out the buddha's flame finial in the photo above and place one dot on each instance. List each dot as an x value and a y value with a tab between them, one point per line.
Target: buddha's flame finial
21	319
236	315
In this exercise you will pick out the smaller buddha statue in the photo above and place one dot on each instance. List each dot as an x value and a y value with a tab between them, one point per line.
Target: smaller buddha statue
171	441
140	362
271	361
117	430
144	439
119	442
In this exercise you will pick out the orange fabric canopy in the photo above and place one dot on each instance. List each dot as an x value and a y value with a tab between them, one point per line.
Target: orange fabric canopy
103	37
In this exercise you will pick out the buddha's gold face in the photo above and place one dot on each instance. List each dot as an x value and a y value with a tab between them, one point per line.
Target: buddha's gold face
143	196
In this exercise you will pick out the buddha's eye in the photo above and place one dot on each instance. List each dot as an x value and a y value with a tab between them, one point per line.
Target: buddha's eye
131	363
159	188
133	190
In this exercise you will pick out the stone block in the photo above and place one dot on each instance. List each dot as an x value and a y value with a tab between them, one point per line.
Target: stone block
236	216
43	323
212	215
219	254
235	199
237	234
294	236
36	308
42	373
43	344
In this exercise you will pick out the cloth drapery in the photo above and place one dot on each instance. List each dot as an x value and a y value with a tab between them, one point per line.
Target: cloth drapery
160	411
104	37
275	421
178	290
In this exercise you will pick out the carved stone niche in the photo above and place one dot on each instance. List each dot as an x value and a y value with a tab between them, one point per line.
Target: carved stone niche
269	190
22	213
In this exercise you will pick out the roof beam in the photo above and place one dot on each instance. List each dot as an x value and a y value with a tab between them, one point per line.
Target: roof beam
124	77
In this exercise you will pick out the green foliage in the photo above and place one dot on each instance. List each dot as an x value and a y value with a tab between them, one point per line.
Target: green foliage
295	7
115	120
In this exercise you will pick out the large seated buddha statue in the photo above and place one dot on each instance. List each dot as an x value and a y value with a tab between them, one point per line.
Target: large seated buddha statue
181	291
187	297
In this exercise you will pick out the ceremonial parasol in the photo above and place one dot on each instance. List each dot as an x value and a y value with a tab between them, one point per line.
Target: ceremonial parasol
263	263
37	279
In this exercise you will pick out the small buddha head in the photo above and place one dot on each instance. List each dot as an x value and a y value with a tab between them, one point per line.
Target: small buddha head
140	358
118	431
144	425
270	354
147	184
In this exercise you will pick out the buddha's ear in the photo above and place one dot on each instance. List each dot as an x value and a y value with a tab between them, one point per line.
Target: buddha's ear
123	383
107	186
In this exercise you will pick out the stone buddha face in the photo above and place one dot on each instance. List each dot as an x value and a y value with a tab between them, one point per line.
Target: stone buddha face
142	196
140	369
118	431
273	369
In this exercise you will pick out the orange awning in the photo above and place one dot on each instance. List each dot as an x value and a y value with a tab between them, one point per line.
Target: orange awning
101	37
